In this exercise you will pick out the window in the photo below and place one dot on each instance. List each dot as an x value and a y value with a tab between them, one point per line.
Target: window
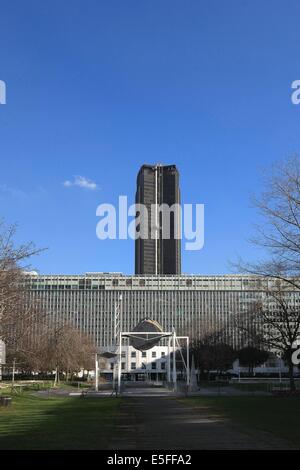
112	366
128	282
133	353
163	354
115	282
153	366
163	366
142	282
123	354
122	365
153	353
144	354
133	365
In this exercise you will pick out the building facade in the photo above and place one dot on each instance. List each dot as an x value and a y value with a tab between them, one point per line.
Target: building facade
141	365
154	254
185	303
188	304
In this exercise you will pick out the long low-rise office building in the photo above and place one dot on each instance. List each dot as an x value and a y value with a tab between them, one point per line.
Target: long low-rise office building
185	303
100	304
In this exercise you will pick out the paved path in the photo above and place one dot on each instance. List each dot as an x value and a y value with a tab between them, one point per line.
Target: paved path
165	423
147	392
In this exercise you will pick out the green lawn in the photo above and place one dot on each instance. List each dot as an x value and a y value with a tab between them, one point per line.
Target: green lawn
34	422
257	387
278	415
57	423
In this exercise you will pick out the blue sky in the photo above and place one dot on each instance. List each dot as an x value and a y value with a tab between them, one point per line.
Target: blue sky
97	88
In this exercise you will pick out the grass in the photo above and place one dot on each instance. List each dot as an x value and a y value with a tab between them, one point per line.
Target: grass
259	386
63	422
57	422
256	387
278	415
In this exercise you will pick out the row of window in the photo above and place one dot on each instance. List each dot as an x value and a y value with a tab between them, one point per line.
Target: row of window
154	366
87	284
143	353
66	287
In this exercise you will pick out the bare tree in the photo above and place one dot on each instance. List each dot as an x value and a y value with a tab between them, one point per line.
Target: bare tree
274	321
63	349
32	338
17	314
278	230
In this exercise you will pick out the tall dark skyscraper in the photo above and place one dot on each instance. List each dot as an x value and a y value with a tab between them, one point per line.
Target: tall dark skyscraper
158	254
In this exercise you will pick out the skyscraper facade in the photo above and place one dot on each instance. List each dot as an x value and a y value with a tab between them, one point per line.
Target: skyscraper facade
158	251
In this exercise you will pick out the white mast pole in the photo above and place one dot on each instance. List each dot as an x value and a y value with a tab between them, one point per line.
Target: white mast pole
174	361
169	361
187	361
96	373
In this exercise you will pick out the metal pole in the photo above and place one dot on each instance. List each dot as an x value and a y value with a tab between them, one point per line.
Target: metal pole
96	373
188	361
169	361
120	342
114	377
115	325
174	361
156	222
13	372
119	363
280	364
121	312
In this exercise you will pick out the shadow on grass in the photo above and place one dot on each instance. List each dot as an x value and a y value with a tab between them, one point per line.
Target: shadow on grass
279	416
57	423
